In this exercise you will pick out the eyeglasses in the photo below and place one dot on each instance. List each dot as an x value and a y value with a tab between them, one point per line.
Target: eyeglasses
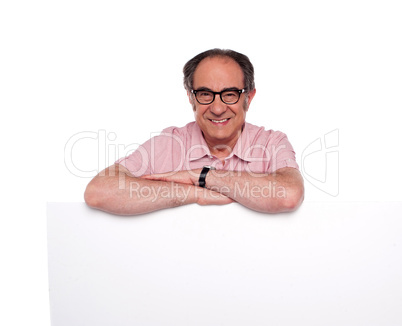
230	96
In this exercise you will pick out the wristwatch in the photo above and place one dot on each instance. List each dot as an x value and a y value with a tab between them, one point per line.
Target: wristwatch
203	175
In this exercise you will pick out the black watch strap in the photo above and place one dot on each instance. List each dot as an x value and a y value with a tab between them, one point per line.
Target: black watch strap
203	175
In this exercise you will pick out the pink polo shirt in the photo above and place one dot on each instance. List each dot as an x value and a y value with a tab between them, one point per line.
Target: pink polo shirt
257	150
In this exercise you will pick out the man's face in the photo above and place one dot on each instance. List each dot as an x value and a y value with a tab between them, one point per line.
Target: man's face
220	123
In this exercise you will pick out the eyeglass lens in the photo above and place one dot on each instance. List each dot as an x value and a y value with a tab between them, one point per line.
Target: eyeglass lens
228	97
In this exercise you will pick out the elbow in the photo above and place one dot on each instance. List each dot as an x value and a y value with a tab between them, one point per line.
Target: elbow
293	199
287	201
92	196
283	204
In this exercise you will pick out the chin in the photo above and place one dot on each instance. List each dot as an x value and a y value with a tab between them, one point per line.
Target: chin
221	138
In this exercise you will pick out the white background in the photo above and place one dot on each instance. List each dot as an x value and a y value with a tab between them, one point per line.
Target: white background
68	67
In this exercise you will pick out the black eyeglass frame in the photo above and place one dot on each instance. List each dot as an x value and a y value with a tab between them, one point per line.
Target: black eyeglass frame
193	91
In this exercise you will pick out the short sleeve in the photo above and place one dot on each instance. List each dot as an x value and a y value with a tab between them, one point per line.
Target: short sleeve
281	152
159	154
138	163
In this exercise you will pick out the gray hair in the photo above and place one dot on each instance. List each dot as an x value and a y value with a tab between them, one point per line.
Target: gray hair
242	60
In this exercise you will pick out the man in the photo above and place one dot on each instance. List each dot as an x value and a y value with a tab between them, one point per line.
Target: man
216	160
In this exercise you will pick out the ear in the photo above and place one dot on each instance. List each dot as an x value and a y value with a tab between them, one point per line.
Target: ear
191	100
250	97
190	97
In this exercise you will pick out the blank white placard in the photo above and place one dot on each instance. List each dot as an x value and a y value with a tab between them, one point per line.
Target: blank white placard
326	264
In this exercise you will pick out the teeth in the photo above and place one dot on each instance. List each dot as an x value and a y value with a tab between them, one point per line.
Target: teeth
219	121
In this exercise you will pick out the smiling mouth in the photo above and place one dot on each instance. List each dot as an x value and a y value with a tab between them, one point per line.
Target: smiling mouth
219	121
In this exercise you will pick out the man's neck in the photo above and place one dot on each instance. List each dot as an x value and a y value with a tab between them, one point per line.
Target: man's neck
222	149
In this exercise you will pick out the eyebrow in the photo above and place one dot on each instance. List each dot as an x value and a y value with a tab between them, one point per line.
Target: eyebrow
223	90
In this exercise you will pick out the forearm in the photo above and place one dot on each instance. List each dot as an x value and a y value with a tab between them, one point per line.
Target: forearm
268	193
115	191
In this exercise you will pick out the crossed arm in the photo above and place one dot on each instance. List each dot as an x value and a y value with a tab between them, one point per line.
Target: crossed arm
116	191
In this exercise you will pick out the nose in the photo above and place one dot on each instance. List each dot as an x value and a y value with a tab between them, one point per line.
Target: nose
217	107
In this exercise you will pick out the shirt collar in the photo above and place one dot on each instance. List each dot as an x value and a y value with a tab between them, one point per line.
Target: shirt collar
242	147
199	147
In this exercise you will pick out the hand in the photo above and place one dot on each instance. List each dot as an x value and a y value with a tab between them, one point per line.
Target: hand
190	177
